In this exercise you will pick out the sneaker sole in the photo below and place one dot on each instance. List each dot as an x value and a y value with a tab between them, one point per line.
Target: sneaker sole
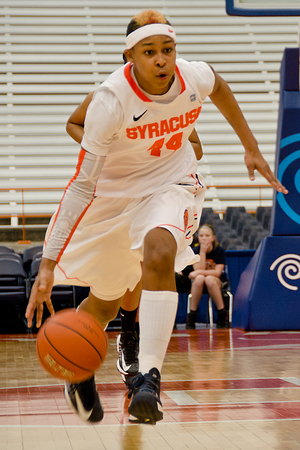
118	342
68	400
118	364
143	411
91	416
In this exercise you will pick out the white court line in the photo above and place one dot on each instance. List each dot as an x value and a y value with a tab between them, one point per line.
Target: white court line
253	333
181	398
273	339
203	422
180	335
265	347
293	380
18	339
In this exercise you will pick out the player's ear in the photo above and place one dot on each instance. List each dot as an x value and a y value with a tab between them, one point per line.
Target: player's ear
129	55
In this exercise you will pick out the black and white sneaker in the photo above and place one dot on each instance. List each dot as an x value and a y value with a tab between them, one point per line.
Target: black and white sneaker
84	400
128	348
145	406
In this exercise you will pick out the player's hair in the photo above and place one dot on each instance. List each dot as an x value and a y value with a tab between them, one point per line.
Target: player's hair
208	225
145	18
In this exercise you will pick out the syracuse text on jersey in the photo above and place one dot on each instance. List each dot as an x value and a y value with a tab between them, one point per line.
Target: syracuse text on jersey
157	129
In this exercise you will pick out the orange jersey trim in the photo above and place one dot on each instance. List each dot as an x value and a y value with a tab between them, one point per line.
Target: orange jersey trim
181	80
133	84
137	90
78	167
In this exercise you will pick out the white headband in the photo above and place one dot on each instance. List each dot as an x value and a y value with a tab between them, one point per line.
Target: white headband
147	31
206	226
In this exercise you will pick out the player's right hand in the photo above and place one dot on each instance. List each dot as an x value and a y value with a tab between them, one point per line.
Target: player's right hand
41	293
255	161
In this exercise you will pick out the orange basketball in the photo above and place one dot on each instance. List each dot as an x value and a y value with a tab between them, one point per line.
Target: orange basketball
71	345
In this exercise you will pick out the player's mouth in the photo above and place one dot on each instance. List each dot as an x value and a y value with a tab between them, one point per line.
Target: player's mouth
162	75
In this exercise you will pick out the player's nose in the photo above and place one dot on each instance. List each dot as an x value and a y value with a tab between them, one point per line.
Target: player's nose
160	60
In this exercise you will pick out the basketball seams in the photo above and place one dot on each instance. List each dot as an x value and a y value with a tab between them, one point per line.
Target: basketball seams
78	332
95	322
71	345
54	348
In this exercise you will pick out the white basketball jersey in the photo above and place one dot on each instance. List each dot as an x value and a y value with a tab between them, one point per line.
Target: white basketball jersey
149	148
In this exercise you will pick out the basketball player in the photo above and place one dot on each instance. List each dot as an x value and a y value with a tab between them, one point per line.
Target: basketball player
127	341
136	196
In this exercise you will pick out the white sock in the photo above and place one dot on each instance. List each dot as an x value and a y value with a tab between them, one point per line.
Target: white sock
156	316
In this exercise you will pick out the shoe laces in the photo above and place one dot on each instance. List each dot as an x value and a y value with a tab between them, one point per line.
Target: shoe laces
133	383
129	347
149	382
88	384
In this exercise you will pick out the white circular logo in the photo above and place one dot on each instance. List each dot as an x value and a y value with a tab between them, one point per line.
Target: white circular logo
289	266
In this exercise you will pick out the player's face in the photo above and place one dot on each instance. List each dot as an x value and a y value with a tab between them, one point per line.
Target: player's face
154	63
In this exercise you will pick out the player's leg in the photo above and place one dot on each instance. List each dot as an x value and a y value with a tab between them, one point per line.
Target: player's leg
129	310
157	315
83	397
162	227
127	341
196	294
98	255
102	310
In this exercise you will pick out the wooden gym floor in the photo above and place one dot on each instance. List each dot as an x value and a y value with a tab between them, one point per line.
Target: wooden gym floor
221	389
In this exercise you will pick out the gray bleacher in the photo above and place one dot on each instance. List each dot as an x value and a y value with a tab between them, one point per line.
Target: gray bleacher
54	53
239	229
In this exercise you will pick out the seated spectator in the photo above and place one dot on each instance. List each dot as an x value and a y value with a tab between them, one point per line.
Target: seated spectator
209	273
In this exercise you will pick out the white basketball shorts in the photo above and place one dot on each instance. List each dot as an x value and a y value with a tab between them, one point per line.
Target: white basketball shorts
106	249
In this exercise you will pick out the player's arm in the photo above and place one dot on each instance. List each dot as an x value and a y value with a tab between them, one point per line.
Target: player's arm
196	144
225	101
42	287
79	193
76	199
75	122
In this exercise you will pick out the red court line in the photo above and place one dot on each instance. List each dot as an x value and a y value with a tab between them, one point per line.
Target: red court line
239	383
46	405
264	383
234	339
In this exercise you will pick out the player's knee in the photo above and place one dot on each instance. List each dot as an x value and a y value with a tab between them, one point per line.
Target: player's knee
109	314
103	310
159	250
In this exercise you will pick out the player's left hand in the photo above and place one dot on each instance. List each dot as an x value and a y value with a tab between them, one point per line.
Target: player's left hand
41	293
255	161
